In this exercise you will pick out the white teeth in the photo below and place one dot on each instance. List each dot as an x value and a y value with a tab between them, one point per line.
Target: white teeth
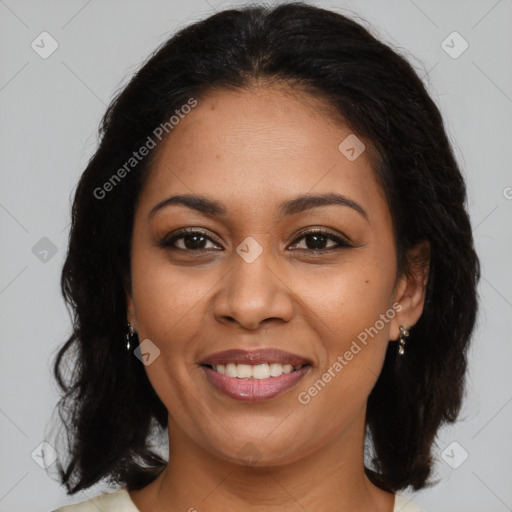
231	370
243	371
261	371
287	368
255	371
276	369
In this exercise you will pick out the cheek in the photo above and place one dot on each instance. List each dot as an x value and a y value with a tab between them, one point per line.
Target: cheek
349	297
354	310
164	294
353	324
168	303
340	301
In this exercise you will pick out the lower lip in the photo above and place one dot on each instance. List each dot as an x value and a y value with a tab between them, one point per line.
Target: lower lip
255	389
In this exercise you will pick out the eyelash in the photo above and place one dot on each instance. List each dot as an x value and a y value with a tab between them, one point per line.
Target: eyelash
167	243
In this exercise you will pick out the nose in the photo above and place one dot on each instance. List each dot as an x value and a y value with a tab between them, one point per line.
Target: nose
253	293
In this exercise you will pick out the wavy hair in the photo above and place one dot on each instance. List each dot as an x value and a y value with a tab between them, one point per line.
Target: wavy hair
107	404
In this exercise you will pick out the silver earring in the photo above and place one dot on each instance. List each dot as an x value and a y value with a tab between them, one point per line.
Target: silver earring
130	335
402	338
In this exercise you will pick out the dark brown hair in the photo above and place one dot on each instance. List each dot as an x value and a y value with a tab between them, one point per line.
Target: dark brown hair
108	406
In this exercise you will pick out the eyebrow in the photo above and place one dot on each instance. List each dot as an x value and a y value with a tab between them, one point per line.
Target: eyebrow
293	206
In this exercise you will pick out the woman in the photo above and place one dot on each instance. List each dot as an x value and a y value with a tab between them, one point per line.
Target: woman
270	257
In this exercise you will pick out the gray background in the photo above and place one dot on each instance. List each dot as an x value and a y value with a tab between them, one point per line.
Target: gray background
50	110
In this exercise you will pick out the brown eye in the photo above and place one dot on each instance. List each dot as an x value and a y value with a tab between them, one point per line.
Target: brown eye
315	241
318	240
188	240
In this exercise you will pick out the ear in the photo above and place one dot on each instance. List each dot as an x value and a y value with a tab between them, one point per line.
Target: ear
130	307
410	288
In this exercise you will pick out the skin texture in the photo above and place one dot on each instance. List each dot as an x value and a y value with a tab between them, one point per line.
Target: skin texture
251	150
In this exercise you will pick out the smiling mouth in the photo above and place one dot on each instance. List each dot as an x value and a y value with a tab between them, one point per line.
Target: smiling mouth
254	371
254	382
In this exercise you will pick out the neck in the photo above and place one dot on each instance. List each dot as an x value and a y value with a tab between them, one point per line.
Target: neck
331	478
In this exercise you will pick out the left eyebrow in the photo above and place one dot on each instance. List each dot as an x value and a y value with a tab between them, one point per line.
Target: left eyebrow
308	201
290	207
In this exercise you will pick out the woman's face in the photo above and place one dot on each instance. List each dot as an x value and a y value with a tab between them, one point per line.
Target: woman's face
251	278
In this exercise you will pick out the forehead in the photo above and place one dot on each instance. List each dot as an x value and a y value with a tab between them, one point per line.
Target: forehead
255	146
264	124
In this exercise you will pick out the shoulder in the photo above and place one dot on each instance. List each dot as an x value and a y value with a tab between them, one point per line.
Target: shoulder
118	501
403	504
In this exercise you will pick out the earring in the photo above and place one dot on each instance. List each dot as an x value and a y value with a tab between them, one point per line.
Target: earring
130	335
402	338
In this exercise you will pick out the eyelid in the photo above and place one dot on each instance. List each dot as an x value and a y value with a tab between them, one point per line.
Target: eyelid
179	233
340	239
325	232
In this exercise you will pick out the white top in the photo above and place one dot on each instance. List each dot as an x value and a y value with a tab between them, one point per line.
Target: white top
120	501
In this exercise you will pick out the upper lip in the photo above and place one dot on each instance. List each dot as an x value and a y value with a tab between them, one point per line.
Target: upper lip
258	356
